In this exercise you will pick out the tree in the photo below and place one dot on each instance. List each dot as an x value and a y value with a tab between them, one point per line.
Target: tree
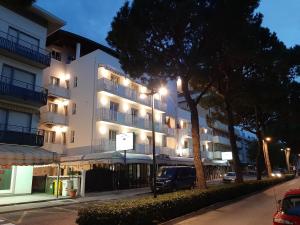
230	46
164	40
18	3
264	90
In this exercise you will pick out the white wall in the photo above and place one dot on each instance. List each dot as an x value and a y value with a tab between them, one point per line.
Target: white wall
23	180
9	18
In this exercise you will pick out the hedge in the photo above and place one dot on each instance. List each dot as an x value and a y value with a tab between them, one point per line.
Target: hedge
147	210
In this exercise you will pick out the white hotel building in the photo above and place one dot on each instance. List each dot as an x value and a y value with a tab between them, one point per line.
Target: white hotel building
62	94
91	100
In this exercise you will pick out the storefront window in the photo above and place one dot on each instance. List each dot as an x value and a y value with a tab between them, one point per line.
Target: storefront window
5	178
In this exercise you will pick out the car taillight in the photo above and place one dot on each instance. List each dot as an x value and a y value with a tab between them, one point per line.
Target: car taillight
282	221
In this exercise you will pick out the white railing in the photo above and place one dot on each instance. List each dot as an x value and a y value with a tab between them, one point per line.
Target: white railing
58	91
127	119
129	93
53	118
221	140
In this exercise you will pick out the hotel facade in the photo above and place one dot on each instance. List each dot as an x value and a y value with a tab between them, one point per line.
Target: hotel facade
65	100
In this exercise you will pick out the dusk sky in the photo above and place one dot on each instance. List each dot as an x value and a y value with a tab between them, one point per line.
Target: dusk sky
92	18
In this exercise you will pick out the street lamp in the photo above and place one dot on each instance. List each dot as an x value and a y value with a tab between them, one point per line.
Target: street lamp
162	91
266	155
287	152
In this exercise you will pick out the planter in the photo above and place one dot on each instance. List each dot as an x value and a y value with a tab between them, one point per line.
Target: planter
72	193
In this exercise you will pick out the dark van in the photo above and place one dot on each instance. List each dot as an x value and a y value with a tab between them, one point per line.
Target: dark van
171	178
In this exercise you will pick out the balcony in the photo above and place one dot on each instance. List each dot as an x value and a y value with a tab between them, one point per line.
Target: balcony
53	118
58	91
19	91
221	140
24	51
13	134
105	145
127	120
128	93
170	131
211	155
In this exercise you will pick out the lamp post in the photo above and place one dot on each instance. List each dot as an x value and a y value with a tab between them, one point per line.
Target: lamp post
162	91
287	152
266	155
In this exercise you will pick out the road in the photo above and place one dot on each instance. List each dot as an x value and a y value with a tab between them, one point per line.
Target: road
256	209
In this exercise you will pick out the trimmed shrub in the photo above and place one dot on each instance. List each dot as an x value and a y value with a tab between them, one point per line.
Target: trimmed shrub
148	211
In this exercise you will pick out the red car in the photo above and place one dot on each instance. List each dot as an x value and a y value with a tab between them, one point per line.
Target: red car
289	209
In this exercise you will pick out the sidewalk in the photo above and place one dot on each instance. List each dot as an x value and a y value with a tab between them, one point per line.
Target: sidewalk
28	202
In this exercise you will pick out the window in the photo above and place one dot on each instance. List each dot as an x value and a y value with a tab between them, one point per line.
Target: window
75	82
134	113
18	121
67	84
66	110
64	137
72	137
23	39
56	55
18	77
73	108
113	110
52	107
114	79
186	144
54	81
134	87
112	135
49	136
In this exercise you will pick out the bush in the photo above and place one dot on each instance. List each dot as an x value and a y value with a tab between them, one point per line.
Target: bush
148	210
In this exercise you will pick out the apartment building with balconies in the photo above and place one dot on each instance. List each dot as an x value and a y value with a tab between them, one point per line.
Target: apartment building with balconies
23	56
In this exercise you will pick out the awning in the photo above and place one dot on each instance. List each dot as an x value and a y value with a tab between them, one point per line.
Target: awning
108	158
20	155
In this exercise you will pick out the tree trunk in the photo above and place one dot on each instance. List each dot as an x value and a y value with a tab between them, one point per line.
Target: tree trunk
260	146
200	177
201	182
259	155
232	138
266	151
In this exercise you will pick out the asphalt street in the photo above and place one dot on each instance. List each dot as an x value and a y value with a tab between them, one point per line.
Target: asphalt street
255	209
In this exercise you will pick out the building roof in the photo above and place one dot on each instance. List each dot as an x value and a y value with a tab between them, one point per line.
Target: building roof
37	15
66	38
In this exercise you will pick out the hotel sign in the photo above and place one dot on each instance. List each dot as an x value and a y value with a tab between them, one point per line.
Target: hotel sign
125	141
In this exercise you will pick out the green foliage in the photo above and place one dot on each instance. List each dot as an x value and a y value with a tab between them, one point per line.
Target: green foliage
18	3
147	211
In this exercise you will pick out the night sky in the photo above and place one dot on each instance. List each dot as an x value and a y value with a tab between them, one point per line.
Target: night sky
92	18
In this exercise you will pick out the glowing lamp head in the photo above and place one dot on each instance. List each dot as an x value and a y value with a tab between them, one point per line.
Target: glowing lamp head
163	91
268	139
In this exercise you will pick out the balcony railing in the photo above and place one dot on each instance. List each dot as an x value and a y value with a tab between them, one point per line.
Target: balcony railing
13	134
54	118
59	91
24	49
128	93
127	120
221	140
105	145
22	91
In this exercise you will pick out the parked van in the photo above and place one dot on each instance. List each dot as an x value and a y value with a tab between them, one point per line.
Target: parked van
171	178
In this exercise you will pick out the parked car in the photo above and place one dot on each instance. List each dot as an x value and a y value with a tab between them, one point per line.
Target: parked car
171	178
229	177
288	209
277	173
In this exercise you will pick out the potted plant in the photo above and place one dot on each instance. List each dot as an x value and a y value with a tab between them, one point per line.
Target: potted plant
72	193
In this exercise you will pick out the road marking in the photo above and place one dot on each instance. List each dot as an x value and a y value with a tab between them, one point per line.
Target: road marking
1	220
8	224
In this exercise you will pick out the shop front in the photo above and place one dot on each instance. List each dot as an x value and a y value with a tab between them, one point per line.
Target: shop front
17	167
